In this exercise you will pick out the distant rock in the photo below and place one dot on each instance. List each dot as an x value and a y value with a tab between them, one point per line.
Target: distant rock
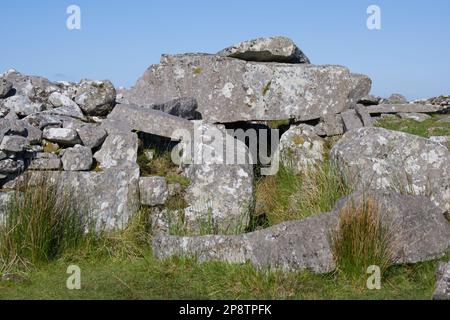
370	100
418	117
396	98
404	108
274	49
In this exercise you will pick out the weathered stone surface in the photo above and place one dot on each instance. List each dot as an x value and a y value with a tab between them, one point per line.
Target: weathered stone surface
13	144
361	85
231	90
364	115
96	98
274	49
185	108
289	246
118	150
64	106
221	186
66	137
301	148
441	139
132	117
153	191
351	120
330	125
78	158
396	98
404	108
419	117
22	105
45	161
445	120
91	135
10	166
381	159
370	100
110	197
419	231
5	87
5	200
442	291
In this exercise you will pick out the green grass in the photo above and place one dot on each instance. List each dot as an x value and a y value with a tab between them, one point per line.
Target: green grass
147	278
288	196
425	129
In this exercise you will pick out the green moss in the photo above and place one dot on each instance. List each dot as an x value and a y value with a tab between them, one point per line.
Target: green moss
197	70
50	147
266	88
276	124
298	140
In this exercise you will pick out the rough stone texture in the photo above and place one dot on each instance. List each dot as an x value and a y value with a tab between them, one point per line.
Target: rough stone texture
132	117
441	139
66	137
64	106
330	125
91	135
274	49
419	117
351	120
110	197
5	199
396	98
301	148
153	191
404	108
22	105
221	186
10	166
78	158
230	90
45	161
289	246
364	115
118	150
13	144
370	100
442	291
361	88
185	108
381	159
445	120
96	98
5	87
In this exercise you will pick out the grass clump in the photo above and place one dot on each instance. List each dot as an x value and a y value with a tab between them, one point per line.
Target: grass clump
42	223
362	240
289	196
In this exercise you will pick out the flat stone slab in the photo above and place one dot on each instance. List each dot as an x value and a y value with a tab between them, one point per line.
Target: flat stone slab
405	108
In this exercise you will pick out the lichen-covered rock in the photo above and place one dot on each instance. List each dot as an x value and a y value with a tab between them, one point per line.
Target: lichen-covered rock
351	120
22	105
442	291
91	135
396	98
185	108
45	161
301	148
405	108
361	87
96	98
230	90
5	200
5	87
330	125
14	144
78	158
10	166
66	137
274	49
419	117
118	150
153	191
364	115
381	159
64	106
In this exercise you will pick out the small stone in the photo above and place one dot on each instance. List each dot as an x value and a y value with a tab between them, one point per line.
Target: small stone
13	144
351	120
153	191
92	136
419	117
45	161
78	158
66	137
10	166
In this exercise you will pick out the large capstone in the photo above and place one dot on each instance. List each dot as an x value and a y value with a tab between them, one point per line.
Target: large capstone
274	49
377	158
231	90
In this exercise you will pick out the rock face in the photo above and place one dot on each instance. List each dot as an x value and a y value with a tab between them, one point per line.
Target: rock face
185	108
78	158
404	108
96	98
118	150
381	159
289	246
301	148
153	191
5	87
275	49
5	199
230	90
442	291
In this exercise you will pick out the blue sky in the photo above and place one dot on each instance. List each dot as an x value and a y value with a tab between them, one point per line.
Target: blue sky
120	39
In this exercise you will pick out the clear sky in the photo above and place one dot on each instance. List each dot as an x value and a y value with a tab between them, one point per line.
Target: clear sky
120	39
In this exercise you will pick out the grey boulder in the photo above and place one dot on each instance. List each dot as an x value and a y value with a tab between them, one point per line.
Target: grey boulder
45	161
273	49
66	137
10	166
96	98
5	87
22	105
13	144
418	117
442	291
153	191
78	158
118	150
377	158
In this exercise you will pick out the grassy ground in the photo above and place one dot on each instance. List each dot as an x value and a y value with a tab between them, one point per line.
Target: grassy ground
147	278
426	129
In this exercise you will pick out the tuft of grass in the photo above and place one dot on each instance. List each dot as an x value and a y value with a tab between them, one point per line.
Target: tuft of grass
288	196
42	222
362	240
